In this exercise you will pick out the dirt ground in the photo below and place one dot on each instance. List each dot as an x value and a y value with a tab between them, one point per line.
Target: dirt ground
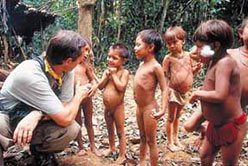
187	157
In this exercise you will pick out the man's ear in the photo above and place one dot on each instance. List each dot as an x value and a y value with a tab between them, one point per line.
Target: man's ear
240	32
68	61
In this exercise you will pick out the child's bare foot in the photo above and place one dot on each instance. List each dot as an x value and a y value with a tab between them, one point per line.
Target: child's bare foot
106	152
96	152
172	147
120	160
179	145
82	152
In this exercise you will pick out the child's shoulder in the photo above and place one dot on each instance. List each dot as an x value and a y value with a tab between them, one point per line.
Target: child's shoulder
227	61
125	71
166	57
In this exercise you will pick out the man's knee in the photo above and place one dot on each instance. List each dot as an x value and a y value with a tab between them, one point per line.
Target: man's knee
73	130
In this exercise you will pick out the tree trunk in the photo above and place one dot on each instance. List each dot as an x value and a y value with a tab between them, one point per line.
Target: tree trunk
85	8
165	8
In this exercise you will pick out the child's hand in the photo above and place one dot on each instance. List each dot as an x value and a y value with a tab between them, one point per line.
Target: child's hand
92	90
112	70
198	142
156	115
199	65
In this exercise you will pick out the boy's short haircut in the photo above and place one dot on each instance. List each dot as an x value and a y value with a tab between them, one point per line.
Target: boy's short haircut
124	52
244	22
65	44
215	30
175	32
150	36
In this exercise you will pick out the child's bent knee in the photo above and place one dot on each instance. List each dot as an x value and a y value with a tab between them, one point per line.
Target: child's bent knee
188	127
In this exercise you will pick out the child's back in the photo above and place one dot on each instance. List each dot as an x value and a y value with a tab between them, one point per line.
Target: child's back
242	61
81	74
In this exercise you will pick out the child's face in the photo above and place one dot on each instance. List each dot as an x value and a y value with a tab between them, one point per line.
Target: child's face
114	58
86	51
243	34
175	45
140	48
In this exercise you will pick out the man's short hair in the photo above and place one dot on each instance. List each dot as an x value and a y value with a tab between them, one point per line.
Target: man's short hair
65	44
150	36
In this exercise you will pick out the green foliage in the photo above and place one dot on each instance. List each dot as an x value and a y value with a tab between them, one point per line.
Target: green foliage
131	16
136	15
67	15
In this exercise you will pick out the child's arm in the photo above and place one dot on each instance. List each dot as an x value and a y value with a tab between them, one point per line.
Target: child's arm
121	83
93	80
102	83
197	67
222	78
166	66
164	90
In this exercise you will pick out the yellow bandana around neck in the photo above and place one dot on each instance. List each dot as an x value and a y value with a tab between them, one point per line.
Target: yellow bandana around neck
49	70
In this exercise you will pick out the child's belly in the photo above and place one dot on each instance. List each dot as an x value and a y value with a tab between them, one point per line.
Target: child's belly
112	98
182	82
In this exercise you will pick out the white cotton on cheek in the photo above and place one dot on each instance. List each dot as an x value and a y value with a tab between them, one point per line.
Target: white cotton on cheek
207	51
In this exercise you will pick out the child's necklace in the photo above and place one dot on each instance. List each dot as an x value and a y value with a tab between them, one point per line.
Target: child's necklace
243	57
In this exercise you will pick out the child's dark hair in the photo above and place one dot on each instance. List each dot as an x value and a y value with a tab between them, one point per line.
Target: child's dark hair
175	32
65	44
123	50
215	30
150	36
244	23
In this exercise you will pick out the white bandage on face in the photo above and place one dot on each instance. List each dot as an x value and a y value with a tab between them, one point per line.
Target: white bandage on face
207	51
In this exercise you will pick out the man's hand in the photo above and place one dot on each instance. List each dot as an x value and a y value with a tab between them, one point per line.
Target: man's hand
24	130
82	91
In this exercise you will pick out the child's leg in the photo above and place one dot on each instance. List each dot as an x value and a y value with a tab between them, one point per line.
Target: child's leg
176	125
208	153
80	137
143	145
111	132
150	125
88	111
169	124
119	118
194	122
230	154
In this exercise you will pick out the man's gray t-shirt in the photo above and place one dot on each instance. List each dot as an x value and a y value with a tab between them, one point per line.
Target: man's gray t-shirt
28	83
